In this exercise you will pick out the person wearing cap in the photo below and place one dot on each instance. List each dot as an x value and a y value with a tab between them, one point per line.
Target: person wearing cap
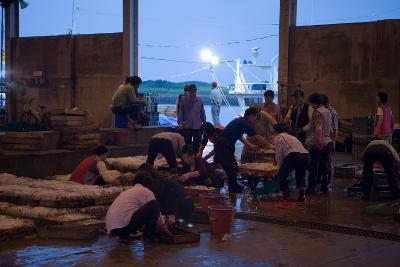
209	133
216	102
269	106
299	115
191	116
126	103
290	156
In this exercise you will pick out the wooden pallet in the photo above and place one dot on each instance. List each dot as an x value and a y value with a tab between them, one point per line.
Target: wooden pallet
180	235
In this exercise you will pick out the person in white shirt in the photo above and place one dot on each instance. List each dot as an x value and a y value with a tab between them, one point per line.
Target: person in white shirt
216	102
135	208
290	156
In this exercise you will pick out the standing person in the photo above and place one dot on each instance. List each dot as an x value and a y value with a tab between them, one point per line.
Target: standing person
269	106
135	208
191	116
383	152
216	102
181	97
168	144
126	103
290	156
225	145
384	118
299	115
319	143
264	123
334	116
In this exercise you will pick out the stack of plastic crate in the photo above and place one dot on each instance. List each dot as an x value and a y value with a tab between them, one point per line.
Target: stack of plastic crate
363	129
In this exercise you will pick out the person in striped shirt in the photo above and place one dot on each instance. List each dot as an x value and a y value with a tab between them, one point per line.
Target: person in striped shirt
290	156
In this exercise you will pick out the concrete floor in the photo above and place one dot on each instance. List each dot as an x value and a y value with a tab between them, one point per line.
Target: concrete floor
252	244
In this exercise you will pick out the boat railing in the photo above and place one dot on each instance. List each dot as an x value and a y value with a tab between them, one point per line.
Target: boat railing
250	88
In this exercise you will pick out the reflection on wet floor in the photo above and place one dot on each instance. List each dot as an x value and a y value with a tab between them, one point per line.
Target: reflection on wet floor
334	208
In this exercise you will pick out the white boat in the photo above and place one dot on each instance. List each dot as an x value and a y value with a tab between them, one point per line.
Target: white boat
248	93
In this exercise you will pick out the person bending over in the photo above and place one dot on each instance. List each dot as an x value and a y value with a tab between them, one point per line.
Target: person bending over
93	170
207	130
197	171
168	144
225	145
290	156
380	151
319	144
135	208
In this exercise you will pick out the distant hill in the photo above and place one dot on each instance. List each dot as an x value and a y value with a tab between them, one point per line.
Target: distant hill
168	87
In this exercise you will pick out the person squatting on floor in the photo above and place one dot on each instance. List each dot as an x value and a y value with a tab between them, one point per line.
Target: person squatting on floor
197	171
190	117
290	156
225	145
168	144
319	144
135	208
380	151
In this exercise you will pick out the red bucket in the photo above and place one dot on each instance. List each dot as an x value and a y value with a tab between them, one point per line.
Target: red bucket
120	137
221	218
209	200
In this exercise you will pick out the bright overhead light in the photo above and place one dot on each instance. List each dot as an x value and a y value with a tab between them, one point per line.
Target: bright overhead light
214	60
206	55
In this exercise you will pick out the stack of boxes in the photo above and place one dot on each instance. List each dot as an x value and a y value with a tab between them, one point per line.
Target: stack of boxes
363	130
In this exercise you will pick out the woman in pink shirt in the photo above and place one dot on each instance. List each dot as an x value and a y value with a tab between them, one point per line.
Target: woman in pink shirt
384	118
135	208
269	106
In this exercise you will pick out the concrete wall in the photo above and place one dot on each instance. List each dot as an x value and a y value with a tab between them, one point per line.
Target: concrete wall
93	63
350	63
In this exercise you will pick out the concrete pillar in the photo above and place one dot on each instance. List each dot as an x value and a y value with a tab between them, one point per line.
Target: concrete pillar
11	32
287	23
130	38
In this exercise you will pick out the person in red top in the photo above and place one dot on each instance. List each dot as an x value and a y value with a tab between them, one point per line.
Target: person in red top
269	106
93	170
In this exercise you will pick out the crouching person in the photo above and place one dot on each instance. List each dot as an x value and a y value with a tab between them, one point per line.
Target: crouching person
290	156
135	208
198	171
93	170
168	144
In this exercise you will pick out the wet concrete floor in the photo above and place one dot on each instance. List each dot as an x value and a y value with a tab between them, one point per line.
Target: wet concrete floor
251	244
336	208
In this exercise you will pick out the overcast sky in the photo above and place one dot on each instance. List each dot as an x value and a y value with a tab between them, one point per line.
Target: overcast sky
190	26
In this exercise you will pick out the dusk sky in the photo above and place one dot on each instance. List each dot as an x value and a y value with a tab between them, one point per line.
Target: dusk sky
190	26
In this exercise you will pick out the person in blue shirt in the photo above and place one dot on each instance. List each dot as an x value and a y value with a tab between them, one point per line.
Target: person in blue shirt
225	145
